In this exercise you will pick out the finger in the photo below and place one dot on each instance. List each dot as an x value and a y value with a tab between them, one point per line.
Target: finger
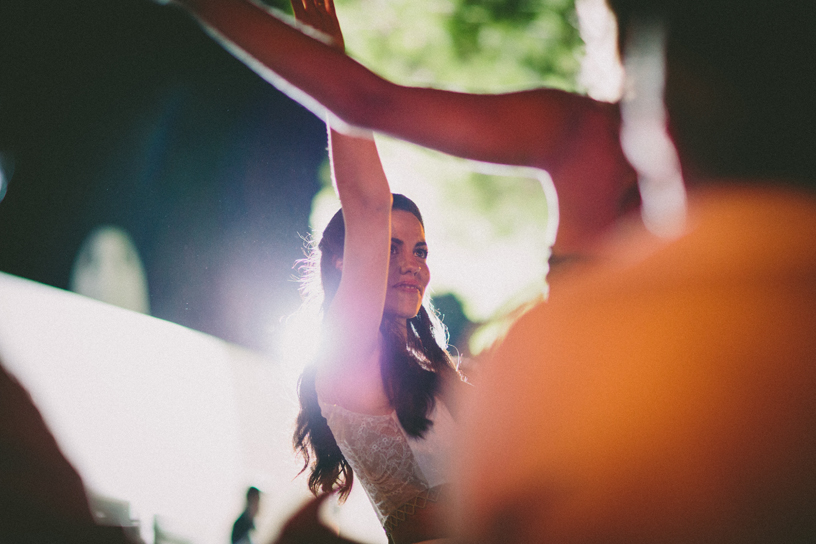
308	513
320	6
299	8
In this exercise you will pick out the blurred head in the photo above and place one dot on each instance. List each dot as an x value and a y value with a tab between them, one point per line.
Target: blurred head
408	274
253	499
739	95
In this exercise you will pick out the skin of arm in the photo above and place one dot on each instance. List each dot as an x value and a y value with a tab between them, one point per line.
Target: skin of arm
349	374
461	124
573	138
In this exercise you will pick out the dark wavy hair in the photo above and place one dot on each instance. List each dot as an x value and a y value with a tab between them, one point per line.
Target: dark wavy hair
411	372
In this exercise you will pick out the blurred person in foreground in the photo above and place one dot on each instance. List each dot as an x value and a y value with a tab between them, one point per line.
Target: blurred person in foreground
668	393
42	497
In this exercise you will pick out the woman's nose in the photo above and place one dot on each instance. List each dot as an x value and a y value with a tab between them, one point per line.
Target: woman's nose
409	264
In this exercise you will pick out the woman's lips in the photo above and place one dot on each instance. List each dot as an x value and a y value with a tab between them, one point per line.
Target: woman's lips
407	286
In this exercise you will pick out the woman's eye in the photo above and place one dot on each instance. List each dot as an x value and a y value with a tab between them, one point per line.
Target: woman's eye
393	249
421	253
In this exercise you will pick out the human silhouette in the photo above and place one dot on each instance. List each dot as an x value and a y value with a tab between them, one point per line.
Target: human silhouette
246	521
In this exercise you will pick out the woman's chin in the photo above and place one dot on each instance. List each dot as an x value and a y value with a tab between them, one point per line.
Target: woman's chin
401	314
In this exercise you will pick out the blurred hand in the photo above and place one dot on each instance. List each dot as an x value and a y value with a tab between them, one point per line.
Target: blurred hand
320	15
305	528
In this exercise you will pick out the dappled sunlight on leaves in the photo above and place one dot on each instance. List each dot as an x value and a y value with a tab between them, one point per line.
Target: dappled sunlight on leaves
466	45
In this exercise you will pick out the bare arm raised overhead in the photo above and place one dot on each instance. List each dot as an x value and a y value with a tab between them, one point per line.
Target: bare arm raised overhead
573	138
349	373
376	383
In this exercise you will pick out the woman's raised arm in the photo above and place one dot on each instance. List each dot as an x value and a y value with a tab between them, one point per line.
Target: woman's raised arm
349	374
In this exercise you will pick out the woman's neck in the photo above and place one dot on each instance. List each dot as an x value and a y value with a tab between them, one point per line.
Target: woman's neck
399	325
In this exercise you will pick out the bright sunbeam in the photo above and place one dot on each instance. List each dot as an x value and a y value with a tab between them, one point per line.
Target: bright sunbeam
297	342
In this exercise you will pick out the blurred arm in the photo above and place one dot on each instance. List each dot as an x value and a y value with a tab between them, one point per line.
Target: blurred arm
523	128
573	138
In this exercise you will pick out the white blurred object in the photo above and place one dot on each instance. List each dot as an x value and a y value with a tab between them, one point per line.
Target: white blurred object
644	132
108	268
601	70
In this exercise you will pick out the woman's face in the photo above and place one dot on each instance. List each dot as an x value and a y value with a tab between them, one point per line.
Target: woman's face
408	273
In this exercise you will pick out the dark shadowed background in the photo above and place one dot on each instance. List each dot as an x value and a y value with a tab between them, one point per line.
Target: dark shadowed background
125	113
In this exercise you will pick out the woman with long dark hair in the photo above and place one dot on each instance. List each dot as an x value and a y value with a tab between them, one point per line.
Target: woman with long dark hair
372	404
374	396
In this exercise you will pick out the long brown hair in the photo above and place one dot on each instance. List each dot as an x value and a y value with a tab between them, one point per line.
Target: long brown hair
410	372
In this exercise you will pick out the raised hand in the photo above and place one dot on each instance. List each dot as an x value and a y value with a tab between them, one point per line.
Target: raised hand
320	15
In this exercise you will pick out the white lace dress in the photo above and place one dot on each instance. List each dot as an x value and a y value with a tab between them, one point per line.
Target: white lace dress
399	473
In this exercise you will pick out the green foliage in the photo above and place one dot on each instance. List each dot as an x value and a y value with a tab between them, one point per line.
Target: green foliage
281	5
542	30
475	45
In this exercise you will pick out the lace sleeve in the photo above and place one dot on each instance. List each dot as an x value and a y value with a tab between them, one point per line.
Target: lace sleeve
378	451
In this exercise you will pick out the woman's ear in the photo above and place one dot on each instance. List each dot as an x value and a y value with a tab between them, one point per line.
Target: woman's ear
338	263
